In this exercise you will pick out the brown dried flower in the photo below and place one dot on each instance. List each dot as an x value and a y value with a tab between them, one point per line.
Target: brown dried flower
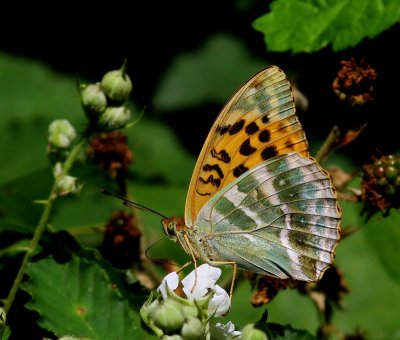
122	240
267	287
111	152
355	82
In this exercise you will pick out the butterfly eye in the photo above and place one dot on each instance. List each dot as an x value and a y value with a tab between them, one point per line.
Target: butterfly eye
169	227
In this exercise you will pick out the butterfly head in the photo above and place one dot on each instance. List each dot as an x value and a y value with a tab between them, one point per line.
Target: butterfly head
172	226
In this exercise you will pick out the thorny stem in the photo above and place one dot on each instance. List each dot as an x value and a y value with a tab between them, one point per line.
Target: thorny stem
329	144
41	227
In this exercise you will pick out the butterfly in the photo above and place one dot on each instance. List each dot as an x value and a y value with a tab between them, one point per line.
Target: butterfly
257	200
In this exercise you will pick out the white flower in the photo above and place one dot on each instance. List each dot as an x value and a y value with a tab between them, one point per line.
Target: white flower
229	329
171	281
207	276
220	302
198	284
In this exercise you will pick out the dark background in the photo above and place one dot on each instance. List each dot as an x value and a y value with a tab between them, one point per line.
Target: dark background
89	41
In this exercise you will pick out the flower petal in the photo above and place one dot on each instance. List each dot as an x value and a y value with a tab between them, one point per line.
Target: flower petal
229	329
170	281
206	277
220	303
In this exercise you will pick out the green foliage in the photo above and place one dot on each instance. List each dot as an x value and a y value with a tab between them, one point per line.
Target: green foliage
383	234
310	25
151	155
78	298
205	76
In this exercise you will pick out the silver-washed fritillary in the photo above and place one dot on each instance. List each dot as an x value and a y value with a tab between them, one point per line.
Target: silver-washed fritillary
256	199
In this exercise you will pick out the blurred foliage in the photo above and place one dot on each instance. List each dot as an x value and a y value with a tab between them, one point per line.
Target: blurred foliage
308	26
32	95
184	83
380	231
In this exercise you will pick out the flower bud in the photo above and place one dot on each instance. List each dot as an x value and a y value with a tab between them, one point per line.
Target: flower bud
68	185
2	317
93	100
193	329
172	337
115	118
117	85
168	316
249	332
61	133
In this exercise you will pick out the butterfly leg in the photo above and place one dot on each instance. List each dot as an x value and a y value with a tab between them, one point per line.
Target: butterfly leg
227	263
193	260
184	266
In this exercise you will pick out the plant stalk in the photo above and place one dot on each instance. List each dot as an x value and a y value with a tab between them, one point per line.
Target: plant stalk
41	227
329	145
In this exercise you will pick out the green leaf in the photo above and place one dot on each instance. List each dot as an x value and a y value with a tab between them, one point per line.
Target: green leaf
383	234
158	153
208	75
310	25
6	333
31	97
78	298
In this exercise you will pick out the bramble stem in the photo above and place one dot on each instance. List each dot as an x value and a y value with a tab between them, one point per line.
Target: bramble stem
41	227
329	144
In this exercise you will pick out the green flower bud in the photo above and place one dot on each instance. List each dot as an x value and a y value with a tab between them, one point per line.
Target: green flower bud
68	185
251	333
145	313
117	85
61	133
2	317
93	100
191	310
172	337
168	316
193	329
391	172
115	118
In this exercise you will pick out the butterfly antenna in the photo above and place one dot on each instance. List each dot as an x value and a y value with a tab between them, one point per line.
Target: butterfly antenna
146	253
130	203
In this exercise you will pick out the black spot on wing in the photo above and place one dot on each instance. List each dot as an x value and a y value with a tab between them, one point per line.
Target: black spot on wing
264	136
221	155
236	127
214	181
239	170
223	129
246	149
269	152
265	119
203	193
252	128
289	144
214	167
